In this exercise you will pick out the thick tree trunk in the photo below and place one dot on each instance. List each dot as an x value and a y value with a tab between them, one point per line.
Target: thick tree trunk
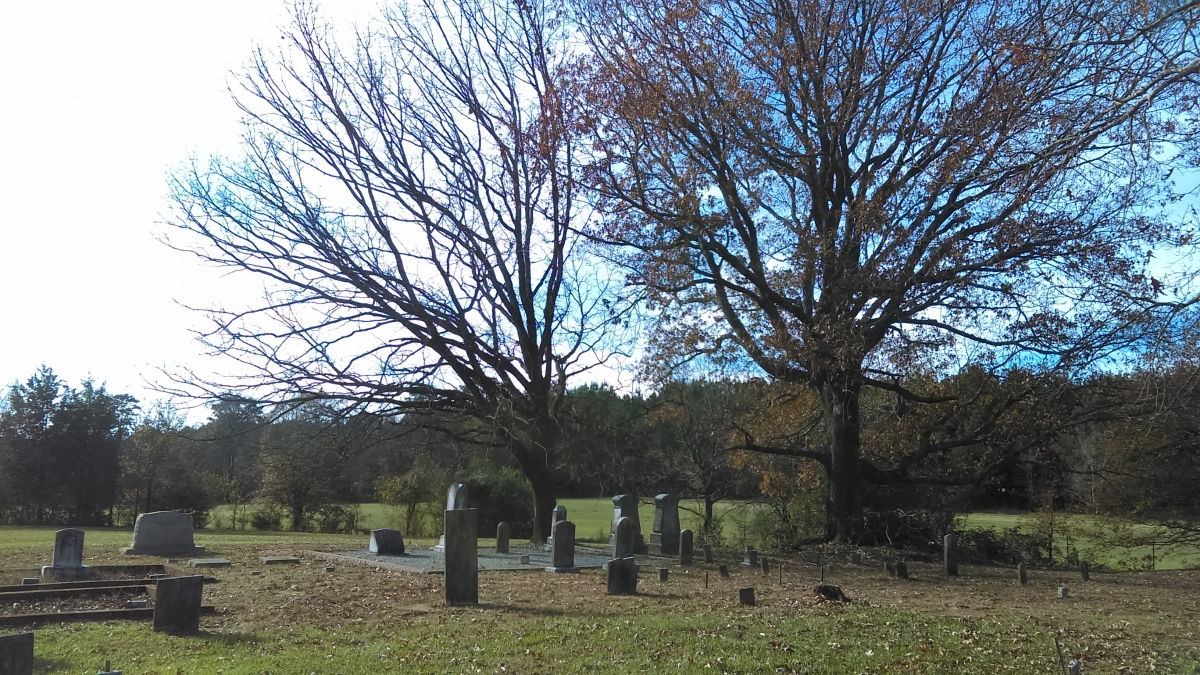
840	403
535	462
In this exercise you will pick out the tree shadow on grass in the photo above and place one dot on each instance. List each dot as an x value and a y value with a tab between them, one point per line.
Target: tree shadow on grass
227	638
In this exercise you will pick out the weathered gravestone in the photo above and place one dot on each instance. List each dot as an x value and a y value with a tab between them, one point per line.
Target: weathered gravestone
746	596
855	558
664	574
751	557
766	565
1021	574
68	548
163	533
503	535
950	546
16	654
177	604
385	541
1085	570
664	535
456	500
708	554
686	544
622	576
558	515
626	506
562	554
1063	592
462	556
902	570
724	571
623	537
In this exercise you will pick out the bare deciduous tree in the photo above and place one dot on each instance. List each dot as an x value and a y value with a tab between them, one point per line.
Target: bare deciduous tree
832	189
410	206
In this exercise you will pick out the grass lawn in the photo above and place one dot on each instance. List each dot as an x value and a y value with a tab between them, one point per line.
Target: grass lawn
302	619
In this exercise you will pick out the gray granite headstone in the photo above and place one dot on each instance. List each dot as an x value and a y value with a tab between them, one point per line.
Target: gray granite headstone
626	506
503	534
68	548
664	535
686	539
177	604
16	654
462	556
163	533
751	557
562	555
746	596
456	499
623	537
622	576
558	515
950	547
386	541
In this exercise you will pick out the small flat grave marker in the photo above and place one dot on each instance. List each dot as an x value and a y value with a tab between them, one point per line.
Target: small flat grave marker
209	562
279	560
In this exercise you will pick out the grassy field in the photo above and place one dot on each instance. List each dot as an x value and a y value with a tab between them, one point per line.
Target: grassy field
303	619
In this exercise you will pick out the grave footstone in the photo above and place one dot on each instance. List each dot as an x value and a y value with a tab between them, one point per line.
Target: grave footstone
622	576
16	654
177	604
503	534
385	541
664	535
724	571
456	500
279	560
68	548
209	562
163	533
1021	575
663	574
950	548
708	554
558	515
1084	570
751	557
462	556
902	570
562	554
686	542
746	597
626	506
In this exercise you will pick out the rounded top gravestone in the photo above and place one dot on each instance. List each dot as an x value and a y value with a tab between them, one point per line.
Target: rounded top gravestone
163	533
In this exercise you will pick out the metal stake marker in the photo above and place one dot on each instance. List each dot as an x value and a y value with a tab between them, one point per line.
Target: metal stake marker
706	579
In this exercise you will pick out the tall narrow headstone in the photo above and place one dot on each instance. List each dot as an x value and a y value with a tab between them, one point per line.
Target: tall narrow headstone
1021	575
163	533
950	545
456	500
562	555
623	538
708	554
16	654
664	536
68	548
626	506
902	570
462	556
177	604
766	565
686	541
503	534
558	515
1085	570
622	576
385	541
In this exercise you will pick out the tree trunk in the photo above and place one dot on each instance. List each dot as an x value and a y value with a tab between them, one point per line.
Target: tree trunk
708	513
534	455
840	404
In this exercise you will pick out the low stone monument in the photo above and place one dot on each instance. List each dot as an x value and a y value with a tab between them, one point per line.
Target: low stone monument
462	556
950	546
177	604
558	515
664	535
751	557
562	555
622	576
386	541
163	533
686	543
68	548
626	506
746	597
503	534
456	500
16	654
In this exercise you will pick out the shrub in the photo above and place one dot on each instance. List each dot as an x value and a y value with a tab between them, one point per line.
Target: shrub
267	516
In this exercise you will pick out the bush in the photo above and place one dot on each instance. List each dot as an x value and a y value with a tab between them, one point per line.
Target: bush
501	494
1008	547
918	529
267	516
336	518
